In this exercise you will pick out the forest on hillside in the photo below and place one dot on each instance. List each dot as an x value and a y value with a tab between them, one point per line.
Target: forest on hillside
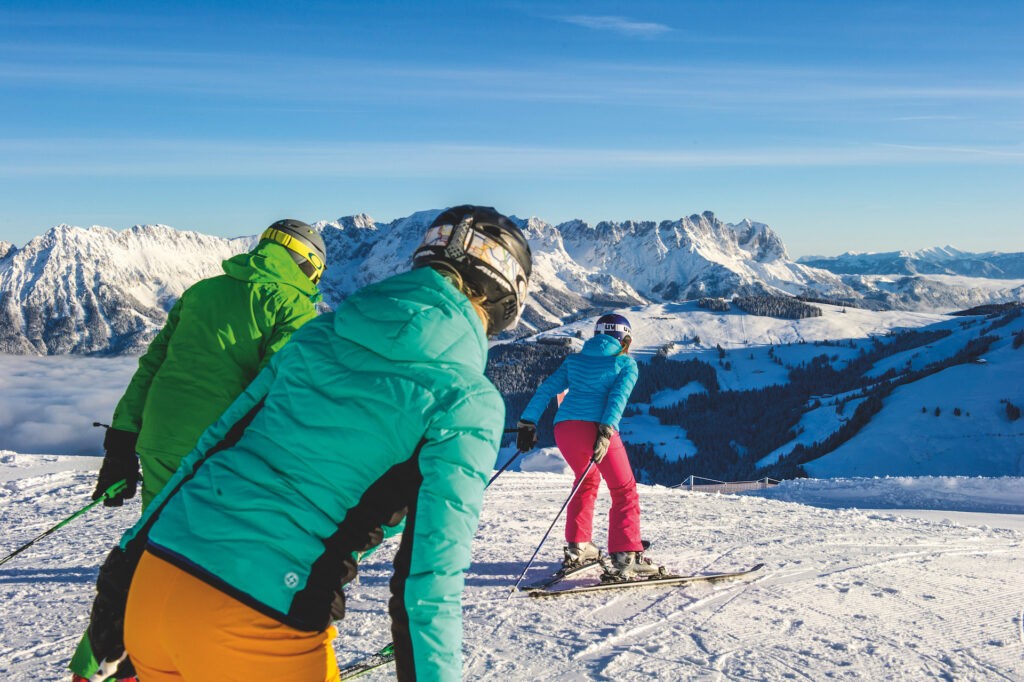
733	430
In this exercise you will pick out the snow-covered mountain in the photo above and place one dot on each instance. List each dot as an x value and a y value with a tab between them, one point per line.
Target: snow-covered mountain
75	290
943	260
96	290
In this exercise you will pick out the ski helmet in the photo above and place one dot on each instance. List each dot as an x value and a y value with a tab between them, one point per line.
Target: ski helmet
488	251
304	244
616	326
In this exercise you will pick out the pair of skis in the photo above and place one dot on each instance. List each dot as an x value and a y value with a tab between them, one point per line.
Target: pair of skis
544	587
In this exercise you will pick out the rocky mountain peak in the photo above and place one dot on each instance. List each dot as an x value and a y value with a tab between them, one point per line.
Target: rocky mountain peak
98	290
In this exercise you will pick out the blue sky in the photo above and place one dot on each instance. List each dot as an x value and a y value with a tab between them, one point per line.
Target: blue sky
863	126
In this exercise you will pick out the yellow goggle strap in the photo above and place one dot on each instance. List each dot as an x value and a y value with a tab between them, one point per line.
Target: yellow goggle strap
317	266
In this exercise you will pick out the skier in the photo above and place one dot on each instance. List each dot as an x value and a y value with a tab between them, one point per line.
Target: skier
218	336
375	412
599	380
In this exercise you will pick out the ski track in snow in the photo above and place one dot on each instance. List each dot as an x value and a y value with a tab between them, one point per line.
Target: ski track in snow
845	593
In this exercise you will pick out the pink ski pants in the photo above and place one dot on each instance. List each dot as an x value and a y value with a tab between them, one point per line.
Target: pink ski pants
575	440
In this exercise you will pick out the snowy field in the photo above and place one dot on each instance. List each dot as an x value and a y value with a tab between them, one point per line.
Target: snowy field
852	592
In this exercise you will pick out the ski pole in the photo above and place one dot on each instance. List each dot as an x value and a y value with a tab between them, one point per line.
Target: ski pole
108	493
505	466
575	488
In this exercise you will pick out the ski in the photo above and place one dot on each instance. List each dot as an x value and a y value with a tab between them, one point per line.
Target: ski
560	575
653	581
372	662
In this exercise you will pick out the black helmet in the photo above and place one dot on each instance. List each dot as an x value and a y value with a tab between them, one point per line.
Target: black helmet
304	244
490	254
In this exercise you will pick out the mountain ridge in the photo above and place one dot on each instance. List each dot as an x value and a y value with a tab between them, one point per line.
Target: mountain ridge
98	290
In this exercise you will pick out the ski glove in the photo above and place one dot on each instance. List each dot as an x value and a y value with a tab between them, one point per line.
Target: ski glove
119	463
601	443
106	621
527	436
349	570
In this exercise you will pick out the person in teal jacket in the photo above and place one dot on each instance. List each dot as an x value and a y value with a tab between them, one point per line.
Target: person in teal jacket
599	380
219	334
377	412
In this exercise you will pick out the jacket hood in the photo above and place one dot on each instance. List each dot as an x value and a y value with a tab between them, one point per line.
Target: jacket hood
417	316
602	344
269	262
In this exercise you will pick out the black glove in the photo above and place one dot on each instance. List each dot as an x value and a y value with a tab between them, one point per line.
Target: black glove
601	443
106	622
120	463
526	439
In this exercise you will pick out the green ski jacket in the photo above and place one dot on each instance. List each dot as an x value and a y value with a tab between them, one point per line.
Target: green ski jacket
218	336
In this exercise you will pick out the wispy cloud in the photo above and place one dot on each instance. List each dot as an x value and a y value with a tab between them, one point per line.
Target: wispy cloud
642	29
931	117
203	158
228	77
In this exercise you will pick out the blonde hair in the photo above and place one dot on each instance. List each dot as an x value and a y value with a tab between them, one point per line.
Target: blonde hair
477	301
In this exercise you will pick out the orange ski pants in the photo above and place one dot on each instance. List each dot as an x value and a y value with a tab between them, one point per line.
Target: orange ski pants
179	628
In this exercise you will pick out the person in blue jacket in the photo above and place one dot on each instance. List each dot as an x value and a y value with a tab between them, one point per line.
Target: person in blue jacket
377	412
599	380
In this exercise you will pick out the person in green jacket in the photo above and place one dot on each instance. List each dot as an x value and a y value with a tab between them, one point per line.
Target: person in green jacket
218	336
376	412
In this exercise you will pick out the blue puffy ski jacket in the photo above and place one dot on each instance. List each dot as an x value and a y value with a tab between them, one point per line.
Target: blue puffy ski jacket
599	380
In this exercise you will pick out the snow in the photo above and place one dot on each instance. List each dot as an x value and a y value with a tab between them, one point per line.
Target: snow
670	397
907	437
900	559
846	592
815	426
669	441
981	283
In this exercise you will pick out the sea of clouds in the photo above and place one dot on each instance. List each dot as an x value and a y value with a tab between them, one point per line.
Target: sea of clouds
48	404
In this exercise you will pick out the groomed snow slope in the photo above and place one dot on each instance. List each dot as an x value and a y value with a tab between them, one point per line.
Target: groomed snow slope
844	594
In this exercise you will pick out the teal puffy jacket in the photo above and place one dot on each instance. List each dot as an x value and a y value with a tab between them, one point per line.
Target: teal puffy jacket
599	380
377	409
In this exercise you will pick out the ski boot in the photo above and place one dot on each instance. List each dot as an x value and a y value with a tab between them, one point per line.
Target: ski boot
629	566
579	553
